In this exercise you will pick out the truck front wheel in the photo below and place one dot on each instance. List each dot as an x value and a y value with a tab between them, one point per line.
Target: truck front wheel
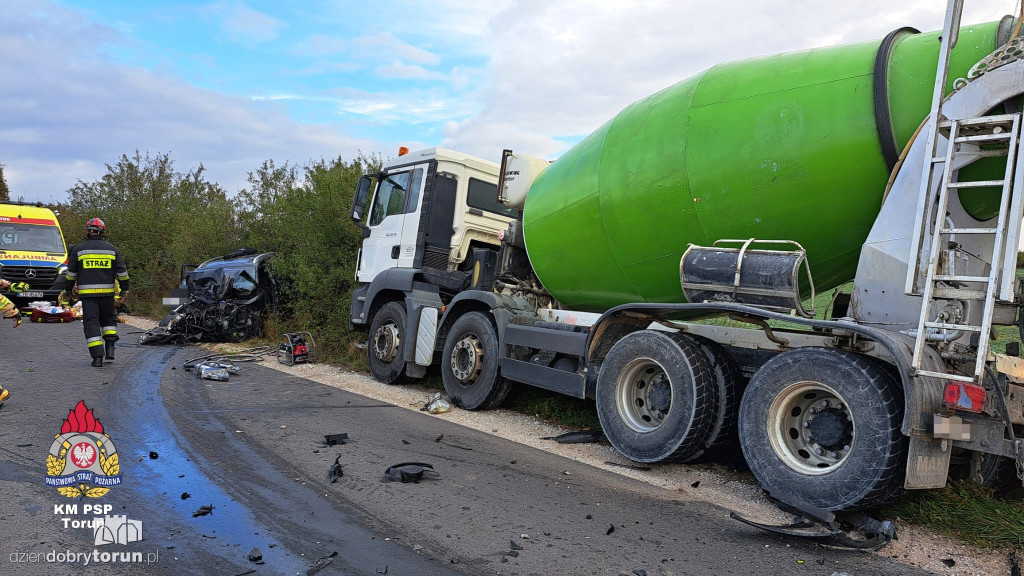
386	346
655	396
823	426
469	364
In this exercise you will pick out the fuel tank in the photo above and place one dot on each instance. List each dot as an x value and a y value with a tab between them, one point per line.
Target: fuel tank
796	146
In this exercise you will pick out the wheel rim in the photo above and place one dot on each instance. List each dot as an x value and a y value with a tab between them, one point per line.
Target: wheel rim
811	428
467	359
643	395
386	342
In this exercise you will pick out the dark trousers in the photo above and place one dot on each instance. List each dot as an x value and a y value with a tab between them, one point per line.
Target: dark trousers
99	318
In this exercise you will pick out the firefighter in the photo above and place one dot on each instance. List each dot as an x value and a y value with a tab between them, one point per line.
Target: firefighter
96	265
7	308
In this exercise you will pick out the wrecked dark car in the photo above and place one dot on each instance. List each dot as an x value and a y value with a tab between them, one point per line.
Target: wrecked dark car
224	299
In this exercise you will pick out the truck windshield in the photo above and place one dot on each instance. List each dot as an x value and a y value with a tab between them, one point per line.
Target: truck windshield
30	238
390	198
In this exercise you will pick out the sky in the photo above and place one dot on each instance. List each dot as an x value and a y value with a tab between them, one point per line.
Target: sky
229	84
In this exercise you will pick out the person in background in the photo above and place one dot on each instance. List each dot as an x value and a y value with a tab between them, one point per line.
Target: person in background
7	308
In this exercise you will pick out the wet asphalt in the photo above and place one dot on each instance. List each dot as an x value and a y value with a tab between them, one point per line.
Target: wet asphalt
253	449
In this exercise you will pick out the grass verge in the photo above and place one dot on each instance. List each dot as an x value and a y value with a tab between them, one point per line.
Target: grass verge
968	512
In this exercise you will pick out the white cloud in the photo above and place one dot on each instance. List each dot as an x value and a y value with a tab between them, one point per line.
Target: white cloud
243	24
559	70
398	69
66	111
386	45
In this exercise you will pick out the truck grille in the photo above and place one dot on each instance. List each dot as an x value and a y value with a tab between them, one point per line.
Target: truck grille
44	277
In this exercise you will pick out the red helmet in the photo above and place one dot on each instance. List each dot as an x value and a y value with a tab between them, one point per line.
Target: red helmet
95	227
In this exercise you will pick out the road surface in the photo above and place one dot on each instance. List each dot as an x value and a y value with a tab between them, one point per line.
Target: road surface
253	449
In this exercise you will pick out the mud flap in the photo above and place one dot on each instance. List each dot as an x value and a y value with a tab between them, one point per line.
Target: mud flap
927	462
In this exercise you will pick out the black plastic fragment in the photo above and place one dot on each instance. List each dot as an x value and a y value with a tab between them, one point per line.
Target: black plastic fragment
185	495
581	437
153	455
255	555
335	471
439	438
695	484
611	528
640	572
335	439
513	554
949	562
410	472
203	510
514	546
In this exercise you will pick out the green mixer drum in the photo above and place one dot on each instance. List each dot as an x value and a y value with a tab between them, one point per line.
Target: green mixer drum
788	147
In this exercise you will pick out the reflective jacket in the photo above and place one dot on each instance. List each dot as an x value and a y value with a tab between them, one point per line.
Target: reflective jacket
95	264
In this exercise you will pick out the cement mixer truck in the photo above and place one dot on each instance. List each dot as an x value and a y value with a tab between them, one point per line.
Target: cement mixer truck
891	166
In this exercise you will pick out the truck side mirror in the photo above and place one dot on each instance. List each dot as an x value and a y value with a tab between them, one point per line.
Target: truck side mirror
359	200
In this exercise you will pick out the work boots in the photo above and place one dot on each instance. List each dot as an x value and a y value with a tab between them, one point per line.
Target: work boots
97	362
109	350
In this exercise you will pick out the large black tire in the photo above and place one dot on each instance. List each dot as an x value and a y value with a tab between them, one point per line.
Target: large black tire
469	364
655	396
385	345
823	426
722	443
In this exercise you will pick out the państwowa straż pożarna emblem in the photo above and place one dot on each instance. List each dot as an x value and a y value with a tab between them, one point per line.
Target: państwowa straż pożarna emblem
82	460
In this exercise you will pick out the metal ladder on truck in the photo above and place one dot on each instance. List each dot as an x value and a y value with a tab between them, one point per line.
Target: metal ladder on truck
965	138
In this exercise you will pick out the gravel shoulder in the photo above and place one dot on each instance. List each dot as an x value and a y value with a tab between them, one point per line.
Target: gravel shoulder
717	484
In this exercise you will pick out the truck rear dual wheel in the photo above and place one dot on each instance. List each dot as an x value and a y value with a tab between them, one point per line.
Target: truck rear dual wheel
722	443
469	364
655	396
823	426
385	348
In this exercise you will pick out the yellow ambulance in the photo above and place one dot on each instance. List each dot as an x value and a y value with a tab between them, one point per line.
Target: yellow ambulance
32	250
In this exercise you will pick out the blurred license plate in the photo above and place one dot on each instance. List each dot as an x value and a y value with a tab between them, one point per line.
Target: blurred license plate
31	294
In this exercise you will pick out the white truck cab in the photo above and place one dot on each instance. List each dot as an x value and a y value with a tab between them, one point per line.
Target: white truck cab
428	209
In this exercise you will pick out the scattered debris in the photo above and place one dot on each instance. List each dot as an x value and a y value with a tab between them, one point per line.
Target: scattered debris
504	559
321	563
410	472
695	484
640	572
185	495
416	547
255	555
406	442
203	510
335	472
246	573
611	528
335	439
439	438
949	562
842	529
515	546
385	570
581	437
437	405
23	445
589	517
524	536
513	554
213	371
630	466
153	455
